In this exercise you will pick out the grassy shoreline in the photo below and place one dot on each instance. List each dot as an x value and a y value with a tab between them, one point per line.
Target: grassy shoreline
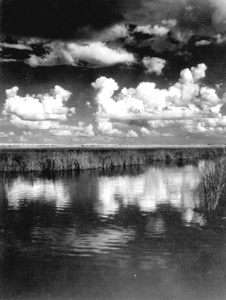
78	158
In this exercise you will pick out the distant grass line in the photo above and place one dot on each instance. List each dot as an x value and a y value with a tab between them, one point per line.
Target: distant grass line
52	160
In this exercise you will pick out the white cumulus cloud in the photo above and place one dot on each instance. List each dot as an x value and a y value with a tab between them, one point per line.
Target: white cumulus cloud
105	127
186	100
209	126
44	112
50	106
154	64
156	29
132	134
147	132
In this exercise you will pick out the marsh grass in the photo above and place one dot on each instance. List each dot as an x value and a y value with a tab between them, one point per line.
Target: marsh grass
211	189
52	160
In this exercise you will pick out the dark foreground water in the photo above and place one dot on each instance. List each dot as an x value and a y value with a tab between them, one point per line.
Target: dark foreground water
119	235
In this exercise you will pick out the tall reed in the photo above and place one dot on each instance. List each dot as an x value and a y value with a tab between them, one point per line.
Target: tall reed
212	187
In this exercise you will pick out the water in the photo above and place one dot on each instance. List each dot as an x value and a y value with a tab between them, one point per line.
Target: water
116	235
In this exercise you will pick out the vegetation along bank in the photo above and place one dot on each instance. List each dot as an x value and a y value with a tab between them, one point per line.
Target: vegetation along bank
51	160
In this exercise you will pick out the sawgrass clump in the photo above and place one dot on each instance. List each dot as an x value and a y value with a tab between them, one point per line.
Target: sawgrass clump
211	189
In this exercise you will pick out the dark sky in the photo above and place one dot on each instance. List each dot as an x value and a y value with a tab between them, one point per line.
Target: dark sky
110	71
61	19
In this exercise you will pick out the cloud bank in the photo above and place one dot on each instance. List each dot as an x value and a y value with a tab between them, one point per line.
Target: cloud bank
188	103
185	99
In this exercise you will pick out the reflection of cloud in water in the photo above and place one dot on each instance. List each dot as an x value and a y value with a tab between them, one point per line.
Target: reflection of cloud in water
105	240
21	189
169	185
98	241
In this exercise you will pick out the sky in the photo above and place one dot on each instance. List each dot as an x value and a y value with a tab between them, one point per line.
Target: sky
125	72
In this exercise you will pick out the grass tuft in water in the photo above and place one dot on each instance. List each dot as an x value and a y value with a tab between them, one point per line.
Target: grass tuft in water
212	189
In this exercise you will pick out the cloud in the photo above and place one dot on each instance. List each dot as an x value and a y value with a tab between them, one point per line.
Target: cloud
18	46
203	43
43	112
161	26
203	18
8	60
40	125
93	53
104	20
169	23
38	107
198	72
6	135
132	134
146	132
80	130
162	123
105	127
154	64
219	38
155	30
209	126
88	130
158	30
22	139
188	99
54	127
112	33
159	38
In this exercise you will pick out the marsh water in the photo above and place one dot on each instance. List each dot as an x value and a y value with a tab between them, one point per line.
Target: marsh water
121	234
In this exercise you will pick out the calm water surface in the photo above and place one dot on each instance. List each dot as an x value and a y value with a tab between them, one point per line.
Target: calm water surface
125	234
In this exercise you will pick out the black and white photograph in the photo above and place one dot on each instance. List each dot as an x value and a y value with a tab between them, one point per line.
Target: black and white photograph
112	149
